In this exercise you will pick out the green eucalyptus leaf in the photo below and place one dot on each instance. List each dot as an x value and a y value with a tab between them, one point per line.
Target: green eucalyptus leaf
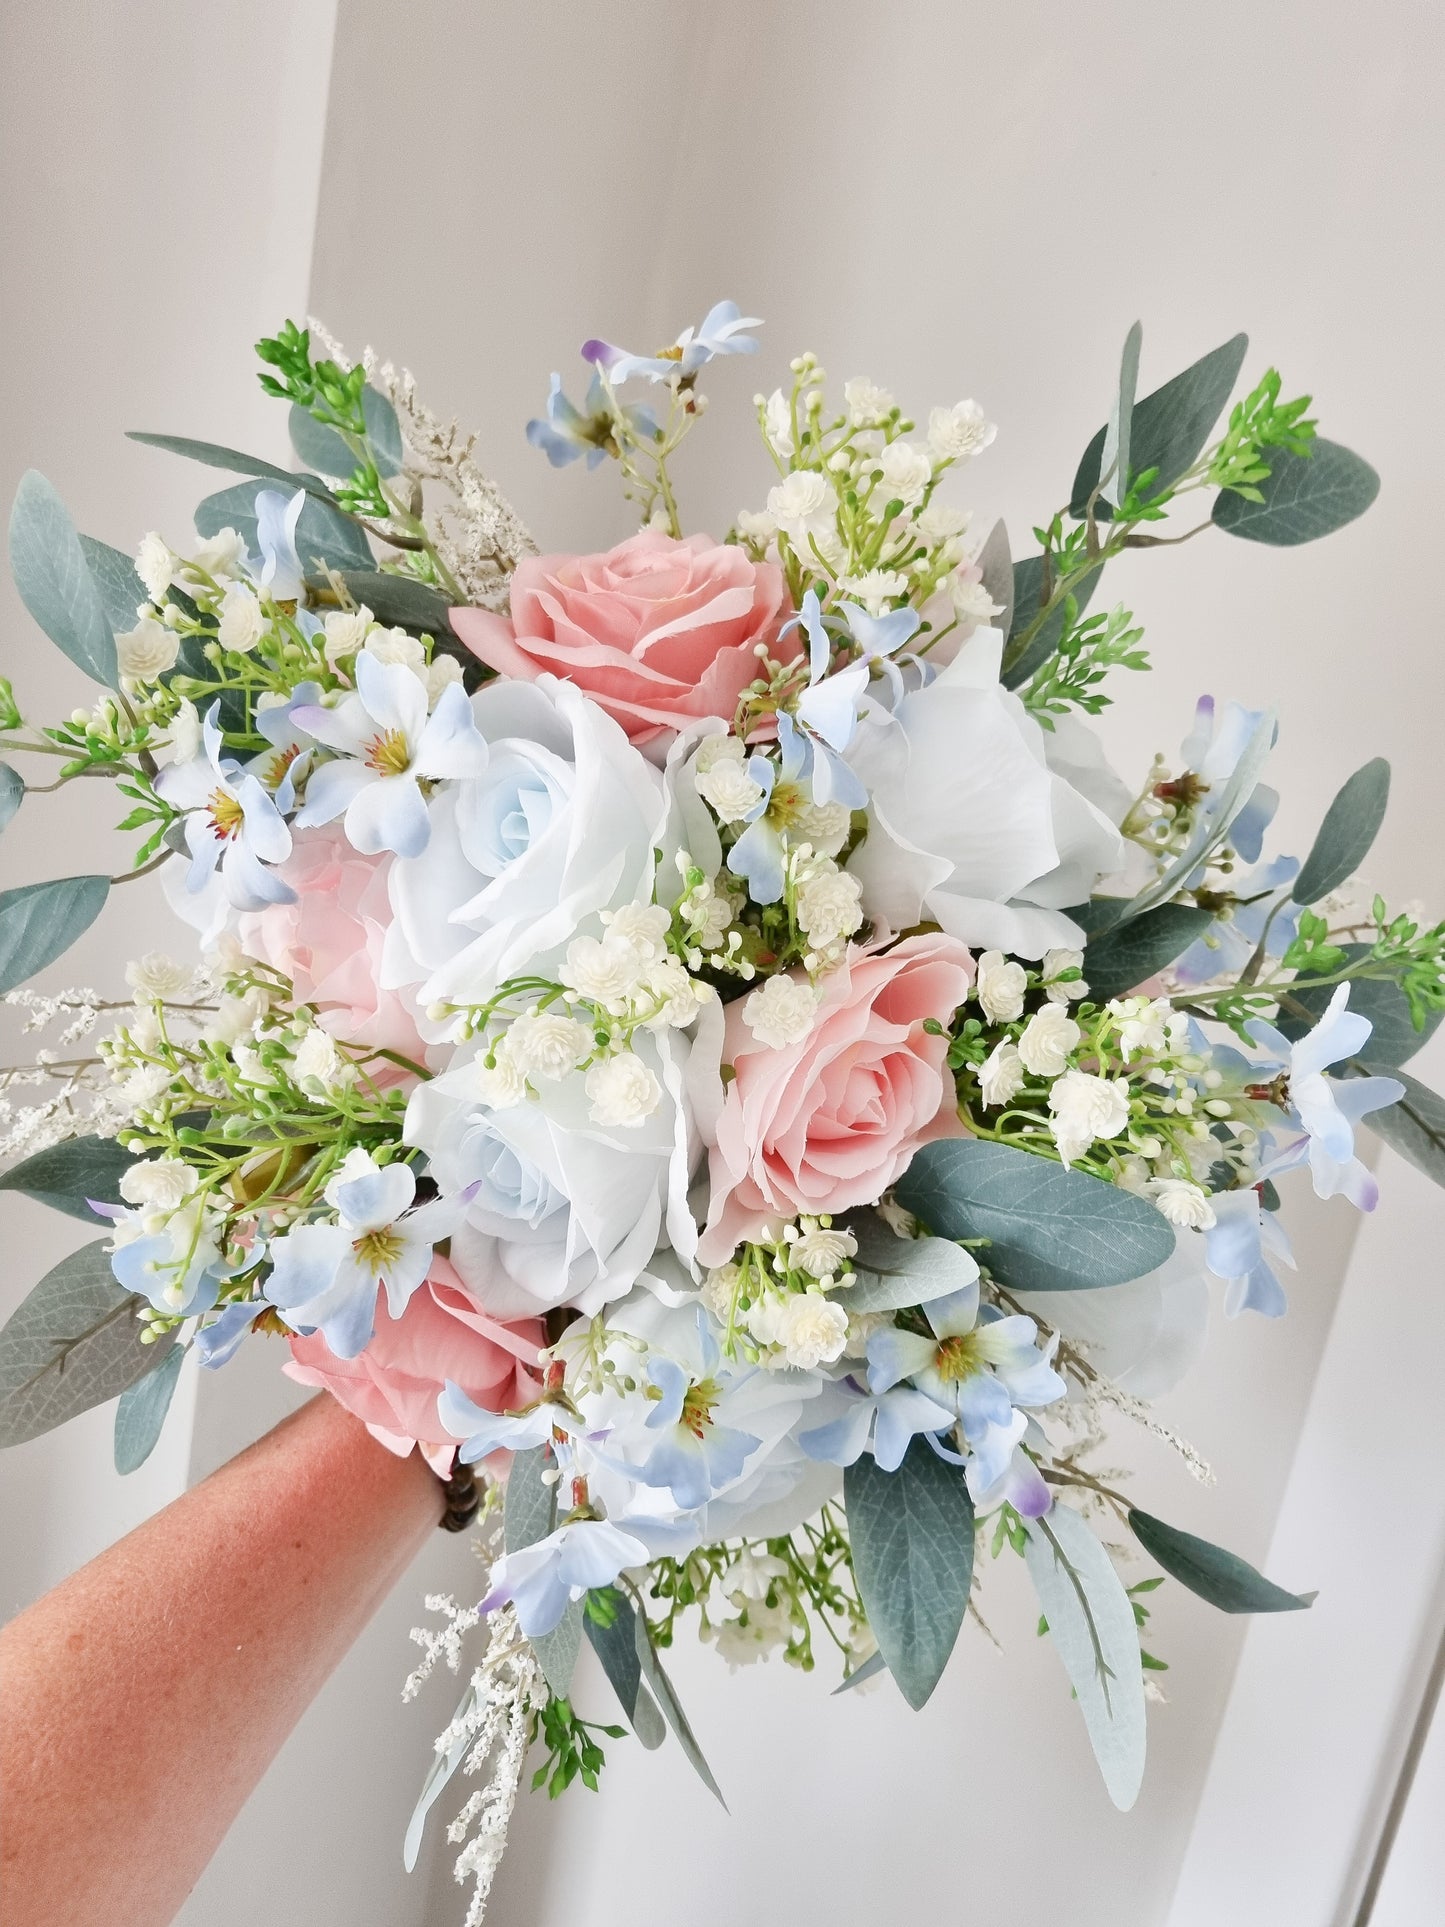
1114	461
860	1675
1216	1575
1091	1622
55	583
1351	825
1394	1039
40	921
323	534
1305	496
322	448
912	1533
998	575
530	1514
212	455
73	1343
1120	959
616	1647
121	589
142	1411
891	1272
12	792
1169	428
1415	1127
65	1175
1021	659
399	601
662	1691
442	1767
1048	1229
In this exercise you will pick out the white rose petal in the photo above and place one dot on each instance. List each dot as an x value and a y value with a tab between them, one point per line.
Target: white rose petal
1000	987
623	1090
781	1012
1048	1038
1001	1075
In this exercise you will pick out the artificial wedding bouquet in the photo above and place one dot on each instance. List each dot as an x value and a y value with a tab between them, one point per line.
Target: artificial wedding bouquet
699	1032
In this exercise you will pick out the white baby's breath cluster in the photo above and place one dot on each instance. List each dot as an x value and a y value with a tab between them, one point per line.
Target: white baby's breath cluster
771	1298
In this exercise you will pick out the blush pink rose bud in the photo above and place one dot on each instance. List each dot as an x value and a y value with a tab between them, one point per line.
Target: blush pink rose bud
830	1122
656	631
443	1334
329	943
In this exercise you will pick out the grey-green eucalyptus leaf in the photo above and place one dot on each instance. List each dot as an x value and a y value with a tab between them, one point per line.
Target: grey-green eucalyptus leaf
1415	1127
1091	1622
397	600
1351	825
860	1675
443	1766
322	448
12	793
891	1272
121	590
1169	428
616	1647
213	455
67	1175
1048	1229
662	1691
1393	1040
1114	461
1305	496
1020	658
55	582
142	1411
40	921
912	1533
530	1514
1220	1577
73	1343
998	576
323	534
1126	956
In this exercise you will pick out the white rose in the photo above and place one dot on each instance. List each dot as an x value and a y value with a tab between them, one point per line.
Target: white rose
867	404
222	554
955	434
345	632
1185	1205
802	504
1052	968
146	652
968	826
605	972
1143	1024
821	1250
907	472
1048	1038
781	1012
1001	1074
778	422
1086	1107
622	1090
161	1183
561	826
155	565
829	906
812	1330
157	977
1000	987
730	791
543	1043
441	672
242	623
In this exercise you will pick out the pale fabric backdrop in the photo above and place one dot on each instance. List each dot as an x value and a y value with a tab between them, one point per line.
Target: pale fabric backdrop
953	199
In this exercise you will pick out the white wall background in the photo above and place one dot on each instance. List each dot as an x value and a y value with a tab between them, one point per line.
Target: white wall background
952	198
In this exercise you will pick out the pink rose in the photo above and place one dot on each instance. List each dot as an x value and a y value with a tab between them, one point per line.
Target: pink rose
657	632
329	942
832	1121
443	1334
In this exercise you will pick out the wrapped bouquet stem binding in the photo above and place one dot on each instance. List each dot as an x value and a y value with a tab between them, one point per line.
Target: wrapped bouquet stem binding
700	1031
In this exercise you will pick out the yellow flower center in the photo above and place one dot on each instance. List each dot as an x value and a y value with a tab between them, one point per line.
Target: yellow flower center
226	812
959	1357
274	773
697	1406
378	1250
388	753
